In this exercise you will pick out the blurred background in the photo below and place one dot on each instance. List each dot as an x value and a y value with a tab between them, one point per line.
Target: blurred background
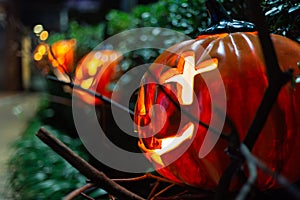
18	18
28	168
22	85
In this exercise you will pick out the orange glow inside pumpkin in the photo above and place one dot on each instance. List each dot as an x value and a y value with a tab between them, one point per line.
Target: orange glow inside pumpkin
239	59
61	55
95	72
168	144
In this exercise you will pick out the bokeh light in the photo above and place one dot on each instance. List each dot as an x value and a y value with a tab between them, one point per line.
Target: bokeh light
44	35
38	28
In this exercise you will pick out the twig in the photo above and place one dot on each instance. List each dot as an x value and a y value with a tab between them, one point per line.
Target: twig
155	186
145	176
162	191
97	95
279	178
131	112
77	192
276	79
111	197
86	196
98	178
244	191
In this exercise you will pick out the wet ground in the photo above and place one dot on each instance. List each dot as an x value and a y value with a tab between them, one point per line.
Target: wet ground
15	111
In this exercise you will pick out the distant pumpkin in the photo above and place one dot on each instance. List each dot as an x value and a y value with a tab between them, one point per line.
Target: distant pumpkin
61	55
238	57
95	72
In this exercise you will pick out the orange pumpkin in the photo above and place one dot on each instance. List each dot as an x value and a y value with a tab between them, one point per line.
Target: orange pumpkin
95	72
61	55
239	59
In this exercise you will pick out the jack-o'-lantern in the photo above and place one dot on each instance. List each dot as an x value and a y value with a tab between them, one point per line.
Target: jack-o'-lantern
95	72
238	57
61	55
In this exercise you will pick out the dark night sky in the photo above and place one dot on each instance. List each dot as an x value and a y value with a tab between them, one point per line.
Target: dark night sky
48	12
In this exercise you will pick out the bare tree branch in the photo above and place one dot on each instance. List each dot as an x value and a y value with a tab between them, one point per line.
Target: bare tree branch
86	196
244	191
98	178
279	178
78	191
153	190
162	191
92	93
276	77
145	176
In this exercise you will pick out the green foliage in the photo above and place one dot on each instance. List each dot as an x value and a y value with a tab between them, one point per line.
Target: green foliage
283	17
87	37
188	17
36	171
119	21
180	15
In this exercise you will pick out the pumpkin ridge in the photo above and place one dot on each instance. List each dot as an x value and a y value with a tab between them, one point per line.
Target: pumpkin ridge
242	68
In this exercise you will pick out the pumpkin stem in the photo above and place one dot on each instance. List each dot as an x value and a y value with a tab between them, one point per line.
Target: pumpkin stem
221	22
216	12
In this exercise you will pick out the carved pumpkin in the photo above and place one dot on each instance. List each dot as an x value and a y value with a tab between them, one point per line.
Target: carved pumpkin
239	59
95	72
61	55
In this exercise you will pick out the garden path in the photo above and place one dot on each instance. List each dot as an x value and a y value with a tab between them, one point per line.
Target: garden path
15	111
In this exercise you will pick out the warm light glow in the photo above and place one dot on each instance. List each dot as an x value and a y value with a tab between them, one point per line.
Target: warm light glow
37	56
141	102
93	67
97	67
168	144
42	49
86	84
54	63
104	58
39	52
62	55
44	35
60	59
38	28
186	79
171	143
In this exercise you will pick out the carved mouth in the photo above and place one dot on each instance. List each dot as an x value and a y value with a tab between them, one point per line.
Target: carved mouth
165	145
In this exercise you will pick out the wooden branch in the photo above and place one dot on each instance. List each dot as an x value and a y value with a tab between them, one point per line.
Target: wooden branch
279	178
92	93
245	190
276	77
145	176
162	191
86	196
98	178
78	191
153	190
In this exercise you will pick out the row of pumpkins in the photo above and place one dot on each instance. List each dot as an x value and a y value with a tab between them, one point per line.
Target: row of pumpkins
239	59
